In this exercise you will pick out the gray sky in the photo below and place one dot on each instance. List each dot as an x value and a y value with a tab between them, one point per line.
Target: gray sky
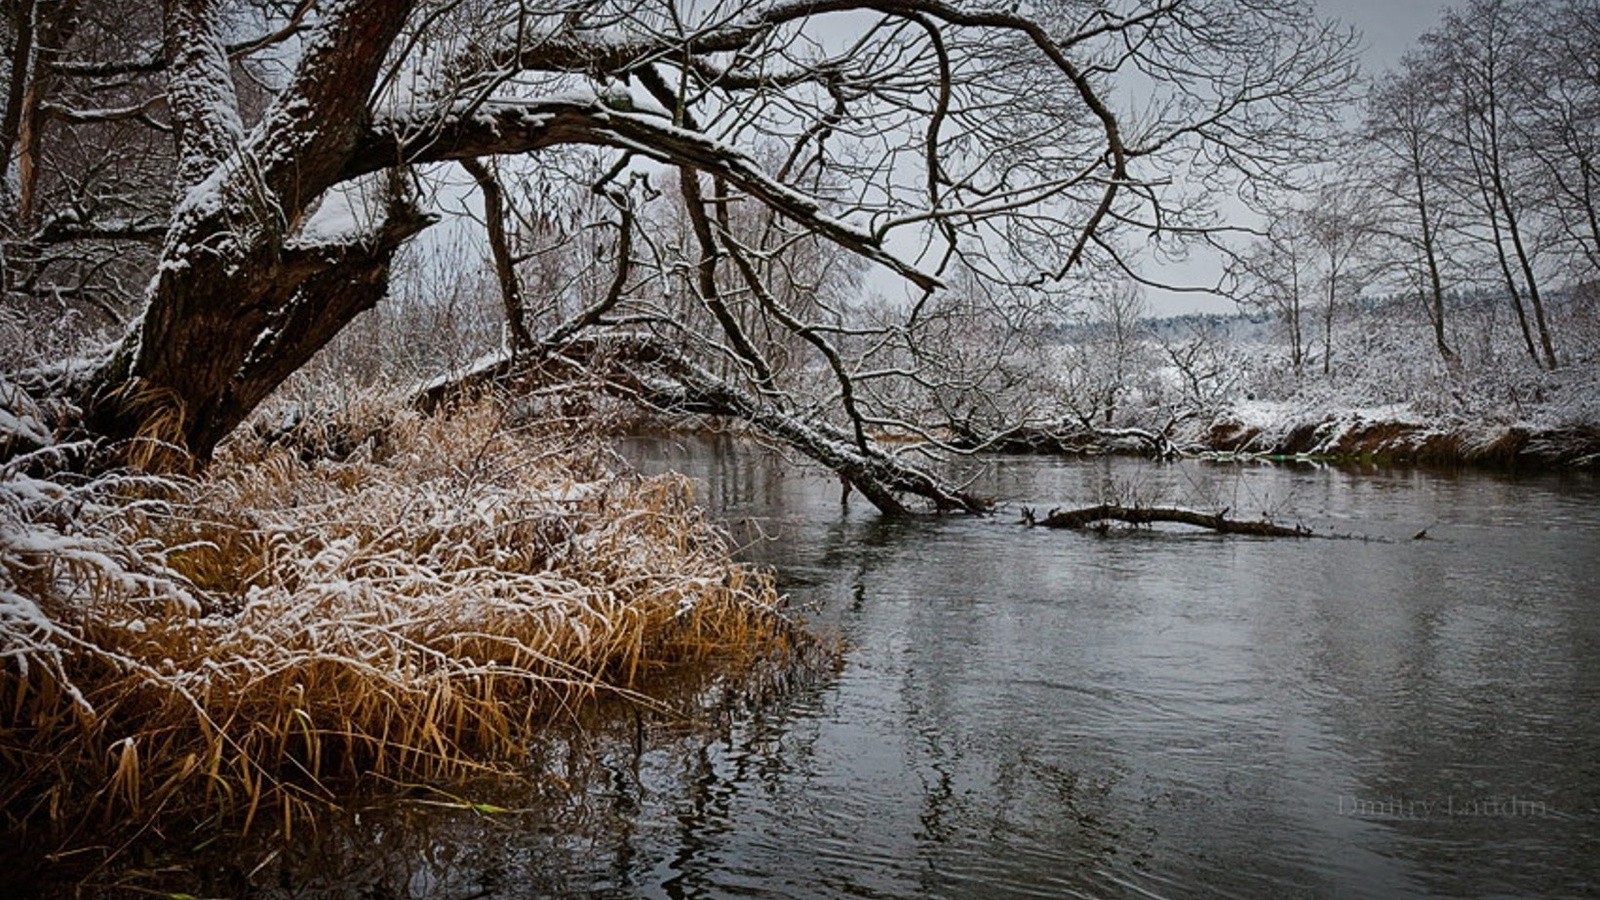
1389	28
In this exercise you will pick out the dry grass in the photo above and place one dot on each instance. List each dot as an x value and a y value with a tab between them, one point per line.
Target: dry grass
240	643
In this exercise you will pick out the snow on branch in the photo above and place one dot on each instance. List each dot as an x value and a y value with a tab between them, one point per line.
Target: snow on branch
460	132
68	227
139	112
200	94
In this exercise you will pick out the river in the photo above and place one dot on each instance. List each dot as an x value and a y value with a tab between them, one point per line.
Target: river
1145	714
1026	713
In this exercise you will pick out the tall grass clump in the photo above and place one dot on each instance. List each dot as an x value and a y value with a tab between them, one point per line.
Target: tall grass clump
246	641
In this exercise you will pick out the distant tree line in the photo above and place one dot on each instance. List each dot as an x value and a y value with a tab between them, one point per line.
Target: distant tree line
1475	168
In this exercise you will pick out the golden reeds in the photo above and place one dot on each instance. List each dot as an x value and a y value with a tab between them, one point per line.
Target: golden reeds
236	643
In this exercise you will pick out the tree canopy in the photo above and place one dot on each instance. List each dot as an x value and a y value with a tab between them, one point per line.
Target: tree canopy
227	183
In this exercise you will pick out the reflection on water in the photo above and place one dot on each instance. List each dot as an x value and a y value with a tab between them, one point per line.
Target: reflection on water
1029	713
1022	713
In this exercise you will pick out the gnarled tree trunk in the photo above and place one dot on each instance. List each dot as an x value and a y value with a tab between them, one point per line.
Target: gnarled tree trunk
242	296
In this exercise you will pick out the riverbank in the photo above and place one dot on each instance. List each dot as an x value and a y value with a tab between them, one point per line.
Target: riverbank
416	604
1387	436
1394	435
1383	436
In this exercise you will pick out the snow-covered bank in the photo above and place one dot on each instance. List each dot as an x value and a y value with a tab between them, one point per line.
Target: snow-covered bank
1378	391
1399	408
1396	435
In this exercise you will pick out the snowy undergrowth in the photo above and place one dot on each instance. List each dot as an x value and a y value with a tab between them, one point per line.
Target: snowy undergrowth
420	608
1386	393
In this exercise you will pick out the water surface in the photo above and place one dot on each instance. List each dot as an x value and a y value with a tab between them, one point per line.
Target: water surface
1171	714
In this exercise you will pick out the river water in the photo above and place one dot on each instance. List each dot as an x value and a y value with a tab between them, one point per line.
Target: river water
1025	713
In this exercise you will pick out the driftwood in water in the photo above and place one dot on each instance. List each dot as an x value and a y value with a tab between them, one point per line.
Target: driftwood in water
1149	515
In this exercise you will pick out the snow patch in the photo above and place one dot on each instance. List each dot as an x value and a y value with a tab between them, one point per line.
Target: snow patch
346	214
21	421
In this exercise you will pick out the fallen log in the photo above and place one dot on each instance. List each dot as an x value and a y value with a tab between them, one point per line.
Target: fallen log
645	370
1092	516
1065	437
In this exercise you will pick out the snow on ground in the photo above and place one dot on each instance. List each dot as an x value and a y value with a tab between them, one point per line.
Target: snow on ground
21	422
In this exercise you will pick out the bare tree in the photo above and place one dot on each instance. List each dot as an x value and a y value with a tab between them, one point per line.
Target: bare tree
1483	51
923	133
1337	224
1561	125
1405	145
1109	351
1484	150
1209	369
1310	260
85	184
1276	274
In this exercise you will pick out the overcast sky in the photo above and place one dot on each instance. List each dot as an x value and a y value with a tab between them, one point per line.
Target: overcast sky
1390	26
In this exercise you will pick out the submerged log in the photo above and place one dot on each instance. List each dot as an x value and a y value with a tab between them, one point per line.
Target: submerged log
1149	515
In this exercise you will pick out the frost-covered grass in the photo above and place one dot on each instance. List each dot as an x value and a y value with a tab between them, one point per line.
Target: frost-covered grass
241	643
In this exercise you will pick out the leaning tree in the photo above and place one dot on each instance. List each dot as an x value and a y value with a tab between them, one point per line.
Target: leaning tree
270	158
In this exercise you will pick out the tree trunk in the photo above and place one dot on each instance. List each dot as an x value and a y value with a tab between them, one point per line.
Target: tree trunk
1510	282
1591	207
22	24
1528	278
237	303
494	215
1435	302
1327	324
1297	353
43	29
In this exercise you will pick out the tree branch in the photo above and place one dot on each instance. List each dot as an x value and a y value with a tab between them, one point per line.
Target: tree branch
1149	515
526	126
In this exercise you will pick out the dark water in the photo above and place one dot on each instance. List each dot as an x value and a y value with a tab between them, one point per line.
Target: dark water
1023	713
1030	713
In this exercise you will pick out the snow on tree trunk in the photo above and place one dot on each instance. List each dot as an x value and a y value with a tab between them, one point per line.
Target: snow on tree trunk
235	306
